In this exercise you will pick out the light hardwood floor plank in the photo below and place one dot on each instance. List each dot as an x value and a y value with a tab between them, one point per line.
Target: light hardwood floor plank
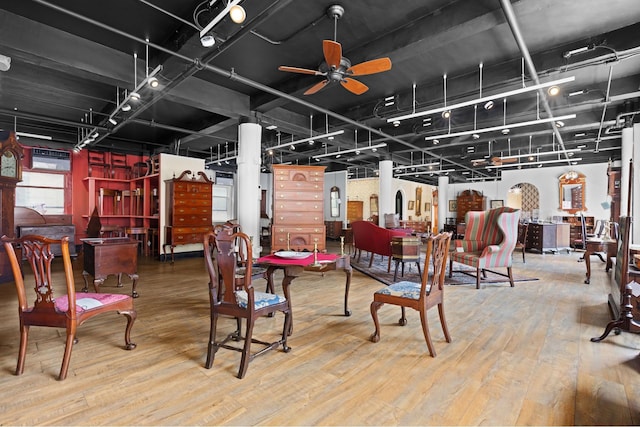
519	356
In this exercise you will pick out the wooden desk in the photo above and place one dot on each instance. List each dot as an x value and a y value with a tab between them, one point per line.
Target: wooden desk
103	257
594	247
294	268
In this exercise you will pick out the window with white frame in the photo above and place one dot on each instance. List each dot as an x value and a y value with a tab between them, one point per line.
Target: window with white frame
42	191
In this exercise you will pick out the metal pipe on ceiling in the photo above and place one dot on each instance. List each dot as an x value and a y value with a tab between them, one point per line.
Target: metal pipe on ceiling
517	34
198	64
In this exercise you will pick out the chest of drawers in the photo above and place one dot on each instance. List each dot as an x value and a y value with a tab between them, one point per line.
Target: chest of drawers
298	208
190	209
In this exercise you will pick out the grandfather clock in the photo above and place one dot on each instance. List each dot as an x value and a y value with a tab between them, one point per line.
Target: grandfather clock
10	174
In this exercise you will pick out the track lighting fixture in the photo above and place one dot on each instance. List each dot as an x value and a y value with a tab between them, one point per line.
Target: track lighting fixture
232	7
113	121
153	82
237	14
553	90
446	114
488	105
134	96
207	40
126	107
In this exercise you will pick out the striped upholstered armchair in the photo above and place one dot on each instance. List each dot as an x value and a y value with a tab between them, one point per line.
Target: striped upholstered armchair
489	240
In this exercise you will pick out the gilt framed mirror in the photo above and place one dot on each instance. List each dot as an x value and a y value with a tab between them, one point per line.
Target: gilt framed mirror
418	201
373	205
334	196
572	187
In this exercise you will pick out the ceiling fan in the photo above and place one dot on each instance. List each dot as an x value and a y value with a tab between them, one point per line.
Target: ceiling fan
337	68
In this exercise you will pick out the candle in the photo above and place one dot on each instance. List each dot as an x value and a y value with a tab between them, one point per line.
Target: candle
341	245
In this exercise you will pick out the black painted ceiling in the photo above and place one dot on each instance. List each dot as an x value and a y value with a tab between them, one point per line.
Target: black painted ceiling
72	61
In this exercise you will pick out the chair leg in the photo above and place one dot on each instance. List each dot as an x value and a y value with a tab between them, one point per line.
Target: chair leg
450	268
131	316
67	356
285	330
389	265
402	321
212	348
22	354
425	331
510	276
246	350
443	322
523	261
375	305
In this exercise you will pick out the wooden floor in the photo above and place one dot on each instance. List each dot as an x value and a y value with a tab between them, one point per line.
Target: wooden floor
519	356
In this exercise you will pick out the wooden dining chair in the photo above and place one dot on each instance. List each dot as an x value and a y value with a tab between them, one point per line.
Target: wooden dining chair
419	296
57	309
231	293
521	243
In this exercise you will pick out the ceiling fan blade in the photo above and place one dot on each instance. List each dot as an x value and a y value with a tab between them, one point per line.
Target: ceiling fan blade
332	53
300	70
370	67
316	87
354	86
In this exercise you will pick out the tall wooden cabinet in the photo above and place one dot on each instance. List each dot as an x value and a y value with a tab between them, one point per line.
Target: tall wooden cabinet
469	200
298	208
190	209
354	210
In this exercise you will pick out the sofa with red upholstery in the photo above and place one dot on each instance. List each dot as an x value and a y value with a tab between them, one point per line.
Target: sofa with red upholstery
374	239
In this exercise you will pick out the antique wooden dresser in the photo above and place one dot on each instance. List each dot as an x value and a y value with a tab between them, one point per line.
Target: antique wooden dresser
190	209
298	208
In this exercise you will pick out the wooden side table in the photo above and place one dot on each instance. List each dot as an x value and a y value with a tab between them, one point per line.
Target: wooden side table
405	249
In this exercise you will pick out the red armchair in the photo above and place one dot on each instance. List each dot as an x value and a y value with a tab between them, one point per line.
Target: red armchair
374	239
489	240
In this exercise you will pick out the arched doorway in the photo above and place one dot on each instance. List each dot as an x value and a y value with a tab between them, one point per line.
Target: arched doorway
525	196
399	203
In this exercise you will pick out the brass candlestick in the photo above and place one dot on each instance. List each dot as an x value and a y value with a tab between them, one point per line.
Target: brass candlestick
315	255
341	245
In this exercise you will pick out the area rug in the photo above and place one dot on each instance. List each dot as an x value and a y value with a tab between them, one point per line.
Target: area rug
462	275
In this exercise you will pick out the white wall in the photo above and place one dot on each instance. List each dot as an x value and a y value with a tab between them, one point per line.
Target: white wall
337	179
362	189
546	180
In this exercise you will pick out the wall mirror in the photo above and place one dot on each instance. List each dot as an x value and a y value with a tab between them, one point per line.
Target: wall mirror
335	201
572	192
373	205
418	201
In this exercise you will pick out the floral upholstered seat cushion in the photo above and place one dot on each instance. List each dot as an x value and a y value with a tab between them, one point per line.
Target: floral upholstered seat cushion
262	299
404	289
88	301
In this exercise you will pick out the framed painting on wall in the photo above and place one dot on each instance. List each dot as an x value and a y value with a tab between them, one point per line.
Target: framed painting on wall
453	205
427	207
411	204
497	204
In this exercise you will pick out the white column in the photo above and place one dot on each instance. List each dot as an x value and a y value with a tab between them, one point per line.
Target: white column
443	202
386	201
248	181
